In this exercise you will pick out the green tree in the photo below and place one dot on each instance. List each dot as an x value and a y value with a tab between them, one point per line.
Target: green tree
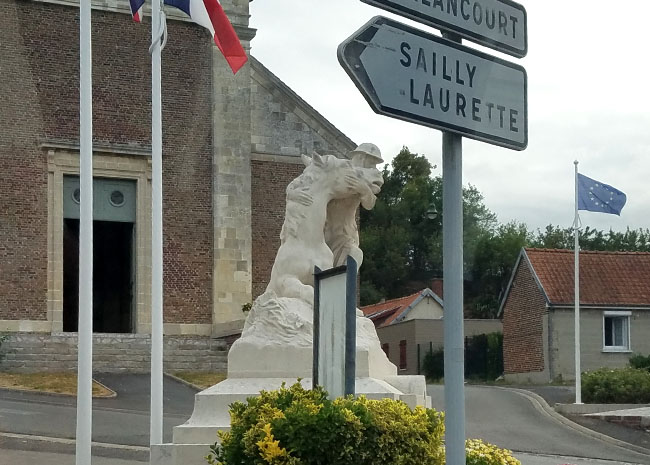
402	240
495	255
394	235
402	236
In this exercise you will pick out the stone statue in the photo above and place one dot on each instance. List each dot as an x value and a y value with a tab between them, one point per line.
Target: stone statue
320	220
320	229
341	234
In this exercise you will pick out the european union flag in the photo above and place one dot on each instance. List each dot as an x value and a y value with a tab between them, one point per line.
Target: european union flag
596	196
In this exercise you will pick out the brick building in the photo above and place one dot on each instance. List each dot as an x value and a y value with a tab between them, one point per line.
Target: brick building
230	147
538	312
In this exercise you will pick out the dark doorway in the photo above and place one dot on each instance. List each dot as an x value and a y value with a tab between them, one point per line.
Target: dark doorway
112	276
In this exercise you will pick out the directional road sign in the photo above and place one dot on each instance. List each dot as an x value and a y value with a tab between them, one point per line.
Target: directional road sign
498	24
418	77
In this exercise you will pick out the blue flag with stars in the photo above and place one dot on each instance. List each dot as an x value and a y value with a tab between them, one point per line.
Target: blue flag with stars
596	196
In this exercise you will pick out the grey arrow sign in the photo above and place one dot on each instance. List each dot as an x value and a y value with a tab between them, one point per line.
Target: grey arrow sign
408	74
498	24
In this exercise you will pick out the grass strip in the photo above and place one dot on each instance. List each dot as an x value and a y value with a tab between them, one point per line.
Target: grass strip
58	383
202	379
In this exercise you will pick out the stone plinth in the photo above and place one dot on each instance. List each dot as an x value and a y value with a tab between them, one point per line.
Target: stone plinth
192	440
276	348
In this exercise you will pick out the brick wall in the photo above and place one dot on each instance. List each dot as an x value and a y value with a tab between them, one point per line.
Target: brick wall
523	328
187	174
269	183
39	81
23	211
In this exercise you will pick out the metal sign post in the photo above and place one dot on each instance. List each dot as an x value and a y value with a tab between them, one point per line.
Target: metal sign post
335	333
422	78
452	270
408	74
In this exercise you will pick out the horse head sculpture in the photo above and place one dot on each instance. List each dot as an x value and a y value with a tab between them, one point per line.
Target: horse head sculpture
320	219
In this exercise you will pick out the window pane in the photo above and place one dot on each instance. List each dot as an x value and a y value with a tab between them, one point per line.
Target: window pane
618	331
608	332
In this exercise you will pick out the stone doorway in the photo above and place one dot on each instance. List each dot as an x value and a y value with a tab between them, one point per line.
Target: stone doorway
113	255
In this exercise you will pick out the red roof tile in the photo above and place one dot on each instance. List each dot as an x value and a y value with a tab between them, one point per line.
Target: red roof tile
606	278
383	313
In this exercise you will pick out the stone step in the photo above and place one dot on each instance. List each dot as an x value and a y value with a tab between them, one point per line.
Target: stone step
27	352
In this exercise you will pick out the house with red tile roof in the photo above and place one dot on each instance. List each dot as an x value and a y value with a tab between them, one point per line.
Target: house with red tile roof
422	304
538	312
408	327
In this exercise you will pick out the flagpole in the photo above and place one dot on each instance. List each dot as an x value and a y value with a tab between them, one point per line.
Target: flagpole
576	272
156	424
85	325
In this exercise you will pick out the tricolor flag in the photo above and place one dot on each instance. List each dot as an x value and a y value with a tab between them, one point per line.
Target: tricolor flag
210	15
136	9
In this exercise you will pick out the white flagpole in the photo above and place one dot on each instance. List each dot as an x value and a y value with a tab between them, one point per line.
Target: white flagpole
576	273
85	327
156	425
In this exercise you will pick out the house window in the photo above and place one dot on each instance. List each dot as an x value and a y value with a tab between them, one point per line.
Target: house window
385	347
616	331
402	354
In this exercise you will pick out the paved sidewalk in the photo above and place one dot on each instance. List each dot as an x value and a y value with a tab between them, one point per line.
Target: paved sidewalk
23	457
19	457
635	417
621	430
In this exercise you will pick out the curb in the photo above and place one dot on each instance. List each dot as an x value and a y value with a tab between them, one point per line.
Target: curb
64	445
542	406
182	381
112	394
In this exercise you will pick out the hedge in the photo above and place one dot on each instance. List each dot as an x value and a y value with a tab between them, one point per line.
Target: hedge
295	426
616	386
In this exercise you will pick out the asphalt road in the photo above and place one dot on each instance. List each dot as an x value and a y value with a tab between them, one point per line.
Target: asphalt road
509	419
499	416
123	420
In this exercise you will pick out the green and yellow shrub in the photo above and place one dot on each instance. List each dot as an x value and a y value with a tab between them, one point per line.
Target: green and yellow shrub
483	453
294	426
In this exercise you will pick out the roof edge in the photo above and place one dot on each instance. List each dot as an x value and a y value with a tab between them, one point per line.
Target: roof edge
510	281
426	292
522	255
537	280
336	136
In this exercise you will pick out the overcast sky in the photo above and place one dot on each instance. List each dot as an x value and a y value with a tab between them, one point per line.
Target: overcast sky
588	99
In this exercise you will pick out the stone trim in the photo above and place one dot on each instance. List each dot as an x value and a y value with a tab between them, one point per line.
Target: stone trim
262	156
98	147
230	328
25	326
265	78
62	161
187	329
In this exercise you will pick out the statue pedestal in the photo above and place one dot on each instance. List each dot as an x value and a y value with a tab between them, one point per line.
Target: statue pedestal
276	347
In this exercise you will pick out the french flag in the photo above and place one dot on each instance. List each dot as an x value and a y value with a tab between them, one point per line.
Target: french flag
210	15
136	9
